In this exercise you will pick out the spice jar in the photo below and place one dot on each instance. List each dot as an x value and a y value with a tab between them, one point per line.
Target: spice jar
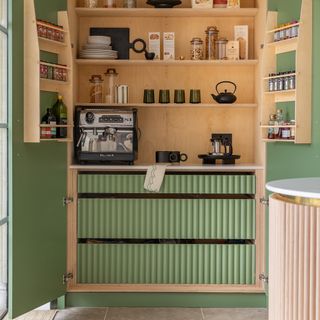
96	89
111	76
272	121
50	72
293	129
211	37
196	51
91	3
129	3
221	49
43	71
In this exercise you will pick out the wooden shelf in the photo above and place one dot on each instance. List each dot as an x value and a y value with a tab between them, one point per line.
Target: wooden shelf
51	45
284	46
54	65
301	96
278	140
56	126
173	105
33	84
172	12
282	126
280	76
283	96
222	63
284	28
39	23
52	85
56	140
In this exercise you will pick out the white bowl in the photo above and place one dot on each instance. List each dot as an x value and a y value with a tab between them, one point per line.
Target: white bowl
99	40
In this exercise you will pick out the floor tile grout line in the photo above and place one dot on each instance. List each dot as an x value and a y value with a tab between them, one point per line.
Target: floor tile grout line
202	314
105	315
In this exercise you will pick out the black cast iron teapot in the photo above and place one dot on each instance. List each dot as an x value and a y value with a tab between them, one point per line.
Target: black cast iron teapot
225	97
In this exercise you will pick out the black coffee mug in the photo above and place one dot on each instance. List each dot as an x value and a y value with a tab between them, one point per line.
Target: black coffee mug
170	156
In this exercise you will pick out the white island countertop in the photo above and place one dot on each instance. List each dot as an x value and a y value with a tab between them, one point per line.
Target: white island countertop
171	167
302	187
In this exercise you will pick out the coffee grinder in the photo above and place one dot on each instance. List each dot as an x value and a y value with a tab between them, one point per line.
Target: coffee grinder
221	150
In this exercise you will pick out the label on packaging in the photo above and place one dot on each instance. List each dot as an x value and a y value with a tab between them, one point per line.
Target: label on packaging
232	50
241	34
220	3
233	4
168	46
202	3
154	44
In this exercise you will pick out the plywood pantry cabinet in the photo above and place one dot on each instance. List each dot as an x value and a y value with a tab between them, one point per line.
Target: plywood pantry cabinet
207	220
168	247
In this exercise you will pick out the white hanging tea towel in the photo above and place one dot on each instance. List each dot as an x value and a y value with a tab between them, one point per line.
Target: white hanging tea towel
154	177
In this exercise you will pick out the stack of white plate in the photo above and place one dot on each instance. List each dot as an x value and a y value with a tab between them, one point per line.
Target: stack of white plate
98	47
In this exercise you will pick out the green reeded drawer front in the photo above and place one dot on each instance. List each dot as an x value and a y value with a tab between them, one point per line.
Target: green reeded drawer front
166	264
166	218
133	183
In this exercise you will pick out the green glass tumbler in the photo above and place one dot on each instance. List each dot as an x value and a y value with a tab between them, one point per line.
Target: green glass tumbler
195	96
164	96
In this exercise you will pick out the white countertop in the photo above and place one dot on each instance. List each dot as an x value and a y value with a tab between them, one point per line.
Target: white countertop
302	187
171	167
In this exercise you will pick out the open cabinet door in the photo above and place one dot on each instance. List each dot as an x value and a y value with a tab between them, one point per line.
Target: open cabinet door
38	178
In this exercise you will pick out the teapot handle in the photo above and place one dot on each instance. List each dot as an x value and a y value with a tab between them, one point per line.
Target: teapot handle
235	86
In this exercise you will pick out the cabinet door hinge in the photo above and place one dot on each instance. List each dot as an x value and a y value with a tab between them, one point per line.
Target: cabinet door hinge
263	278
67	277
264	201
67	200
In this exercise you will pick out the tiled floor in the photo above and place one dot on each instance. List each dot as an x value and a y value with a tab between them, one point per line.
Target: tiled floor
161	314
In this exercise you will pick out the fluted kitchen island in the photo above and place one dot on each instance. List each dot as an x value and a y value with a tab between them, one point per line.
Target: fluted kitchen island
294	249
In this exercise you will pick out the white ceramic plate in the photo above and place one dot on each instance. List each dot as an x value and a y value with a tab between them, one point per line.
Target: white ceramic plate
98	51
96	46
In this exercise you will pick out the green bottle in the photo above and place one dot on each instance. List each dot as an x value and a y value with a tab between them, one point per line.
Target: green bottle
59	110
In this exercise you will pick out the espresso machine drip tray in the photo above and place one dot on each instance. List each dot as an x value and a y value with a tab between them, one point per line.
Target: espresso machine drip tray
211	158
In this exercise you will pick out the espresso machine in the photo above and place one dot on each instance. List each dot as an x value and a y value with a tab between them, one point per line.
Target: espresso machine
221	150
105	135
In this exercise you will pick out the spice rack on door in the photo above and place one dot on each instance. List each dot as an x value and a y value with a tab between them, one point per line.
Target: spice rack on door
302	94
33	84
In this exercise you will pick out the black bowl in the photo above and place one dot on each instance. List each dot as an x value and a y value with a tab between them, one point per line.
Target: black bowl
163	3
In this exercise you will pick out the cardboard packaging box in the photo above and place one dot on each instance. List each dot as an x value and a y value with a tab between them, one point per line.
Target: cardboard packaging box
233	4
202	3
232	50
154	44
220	3
241	34
168	46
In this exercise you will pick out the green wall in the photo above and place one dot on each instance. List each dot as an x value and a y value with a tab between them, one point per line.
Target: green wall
285	160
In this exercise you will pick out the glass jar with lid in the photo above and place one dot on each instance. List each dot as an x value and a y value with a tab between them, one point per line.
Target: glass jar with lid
271	129
196	52
212	33
96	89
129	3
110	85
221	49
91	3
